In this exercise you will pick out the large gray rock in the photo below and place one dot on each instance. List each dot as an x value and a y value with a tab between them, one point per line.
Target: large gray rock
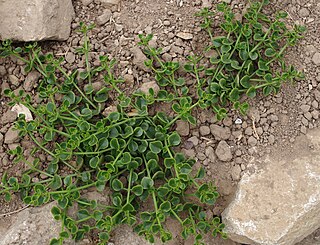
35	20
30	226
279	204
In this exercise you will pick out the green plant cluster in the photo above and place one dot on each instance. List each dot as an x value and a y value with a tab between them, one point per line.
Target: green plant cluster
128	155
247	57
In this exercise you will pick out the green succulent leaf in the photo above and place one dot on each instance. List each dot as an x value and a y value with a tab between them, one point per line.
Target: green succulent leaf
252	92
174	139
117	185
156	146
56	182
138	190
165	206
270	52
94	162
147	183
234	95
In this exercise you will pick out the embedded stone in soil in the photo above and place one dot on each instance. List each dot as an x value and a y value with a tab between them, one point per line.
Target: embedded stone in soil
279	204
12	136
223	151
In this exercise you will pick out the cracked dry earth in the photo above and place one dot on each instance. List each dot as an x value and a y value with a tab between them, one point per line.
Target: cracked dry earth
226	149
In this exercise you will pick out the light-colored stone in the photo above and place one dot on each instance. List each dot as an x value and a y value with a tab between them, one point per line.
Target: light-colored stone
31	226
210	154
252	141
194	140
145	87
185	35
8	117
316	58
109	3
125	235
236	172
11	136
105	17
183	128
206	4
279	204
139	58
21	109
3	71
13	80
70	57
204	130
35	20
219	132
223	151
31	79
86	2
304	12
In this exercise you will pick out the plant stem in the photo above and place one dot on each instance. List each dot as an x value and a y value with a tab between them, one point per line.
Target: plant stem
73	190
129	186
76	86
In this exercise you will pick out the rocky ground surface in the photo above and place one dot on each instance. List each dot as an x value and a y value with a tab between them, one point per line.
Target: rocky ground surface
226	149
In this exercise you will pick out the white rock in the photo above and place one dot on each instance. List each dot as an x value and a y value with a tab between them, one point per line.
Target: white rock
21	109
35	20
185	35
238	121
280	204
